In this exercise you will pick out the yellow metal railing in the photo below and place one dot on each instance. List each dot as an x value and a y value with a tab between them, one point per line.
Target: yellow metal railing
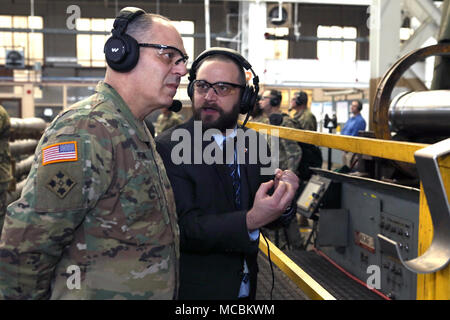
304	281
429	286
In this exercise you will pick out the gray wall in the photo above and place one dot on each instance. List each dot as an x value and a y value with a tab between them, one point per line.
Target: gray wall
59	45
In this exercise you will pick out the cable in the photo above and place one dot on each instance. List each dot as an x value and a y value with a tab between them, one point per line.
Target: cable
350	275
270	262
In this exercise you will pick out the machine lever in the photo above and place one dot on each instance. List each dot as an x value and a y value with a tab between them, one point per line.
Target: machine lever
438	254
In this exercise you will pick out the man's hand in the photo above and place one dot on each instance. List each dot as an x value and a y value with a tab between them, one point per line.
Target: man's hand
267	208
286	176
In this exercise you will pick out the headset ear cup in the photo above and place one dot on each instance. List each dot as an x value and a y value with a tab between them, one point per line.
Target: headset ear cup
132	56
190	89
247	99
129	57
113	53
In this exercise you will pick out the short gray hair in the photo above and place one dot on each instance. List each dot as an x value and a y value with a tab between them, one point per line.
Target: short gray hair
142	25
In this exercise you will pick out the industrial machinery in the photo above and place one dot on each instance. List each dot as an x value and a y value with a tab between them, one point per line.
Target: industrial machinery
24	137
391	238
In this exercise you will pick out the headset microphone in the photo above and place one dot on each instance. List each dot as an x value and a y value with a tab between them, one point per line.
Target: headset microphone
176	106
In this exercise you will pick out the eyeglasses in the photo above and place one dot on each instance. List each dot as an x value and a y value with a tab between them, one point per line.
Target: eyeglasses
222	89
170	55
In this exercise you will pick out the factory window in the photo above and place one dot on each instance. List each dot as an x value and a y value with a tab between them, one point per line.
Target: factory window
30	44
334	50
90	46
186	29
276	49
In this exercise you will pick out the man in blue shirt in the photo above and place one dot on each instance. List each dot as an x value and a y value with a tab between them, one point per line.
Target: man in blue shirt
351	128
355	123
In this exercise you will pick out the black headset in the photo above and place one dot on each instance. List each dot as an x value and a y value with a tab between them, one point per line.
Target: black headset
122	50
276	97
249	94
301	98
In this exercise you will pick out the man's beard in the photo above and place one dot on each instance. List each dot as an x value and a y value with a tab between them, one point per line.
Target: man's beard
226	120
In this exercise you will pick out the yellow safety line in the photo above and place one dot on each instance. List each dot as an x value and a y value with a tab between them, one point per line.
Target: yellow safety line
388	149
304	281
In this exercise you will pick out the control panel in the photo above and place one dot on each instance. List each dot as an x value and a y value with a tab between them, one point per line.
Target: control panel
309	200
394	277
350	233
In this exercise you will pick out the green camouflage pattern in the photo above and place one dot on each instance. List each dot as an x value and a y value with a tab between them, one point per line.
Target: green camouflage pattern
305	120
3	191
5	156
163	123
115	218
290	153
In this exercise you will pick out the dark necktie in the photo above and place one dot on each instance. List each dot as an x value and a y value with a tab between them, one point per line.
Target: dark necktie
234	173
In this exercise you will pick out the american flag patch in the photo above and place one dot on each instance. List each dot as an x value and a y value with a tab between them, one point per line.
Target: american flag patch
60	152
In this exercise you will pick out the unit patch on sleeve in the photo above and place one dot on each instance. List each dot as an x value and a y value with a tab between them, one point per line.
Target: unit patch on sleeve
60	152
61	183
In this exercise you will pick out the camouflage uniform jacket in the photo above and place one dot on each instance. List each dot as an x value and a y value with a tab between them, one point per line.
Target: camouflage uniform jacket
164	123
290	152
5	156
306	120
110	213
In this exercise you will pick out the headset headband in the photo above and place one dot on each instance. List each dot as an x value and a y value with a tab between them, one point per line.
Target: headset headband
234	55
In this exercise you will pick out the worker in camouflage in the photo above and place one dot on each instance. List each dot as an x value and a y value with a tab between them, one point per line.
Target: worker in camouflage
5	162
304	118
96	218
290	153
166	120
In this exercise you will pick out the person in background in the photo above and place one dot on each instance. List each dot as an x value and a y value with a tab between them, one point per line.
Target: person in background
290	154
351	128
257	114
166	120
303	116
356	123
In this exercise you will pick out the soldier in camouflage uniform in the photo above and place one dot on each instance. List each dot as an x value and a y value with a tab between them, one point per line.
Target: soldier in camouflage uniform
5	162
96	218
290	154
166	120
304	118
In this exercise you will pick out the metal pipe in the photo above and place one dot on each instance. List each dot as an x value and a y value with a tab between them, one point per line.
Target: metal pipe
27	128
22	147
422	112
23	167
207	26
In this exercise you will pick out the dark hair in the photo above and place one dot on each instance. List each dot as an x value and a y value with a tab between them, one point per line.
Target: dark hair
360	106
276	98
222	57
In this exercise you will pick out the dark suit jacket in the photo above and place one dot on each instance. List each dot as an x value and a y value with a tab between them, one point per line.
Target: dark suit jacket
213	234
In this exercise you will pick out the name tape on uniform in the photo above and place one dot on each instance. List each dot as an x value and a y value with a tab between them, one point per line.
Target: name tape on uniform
60	152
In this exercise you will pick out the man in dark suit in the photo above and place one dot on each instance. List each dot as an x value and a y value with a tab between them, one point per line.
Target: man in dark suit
219	212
